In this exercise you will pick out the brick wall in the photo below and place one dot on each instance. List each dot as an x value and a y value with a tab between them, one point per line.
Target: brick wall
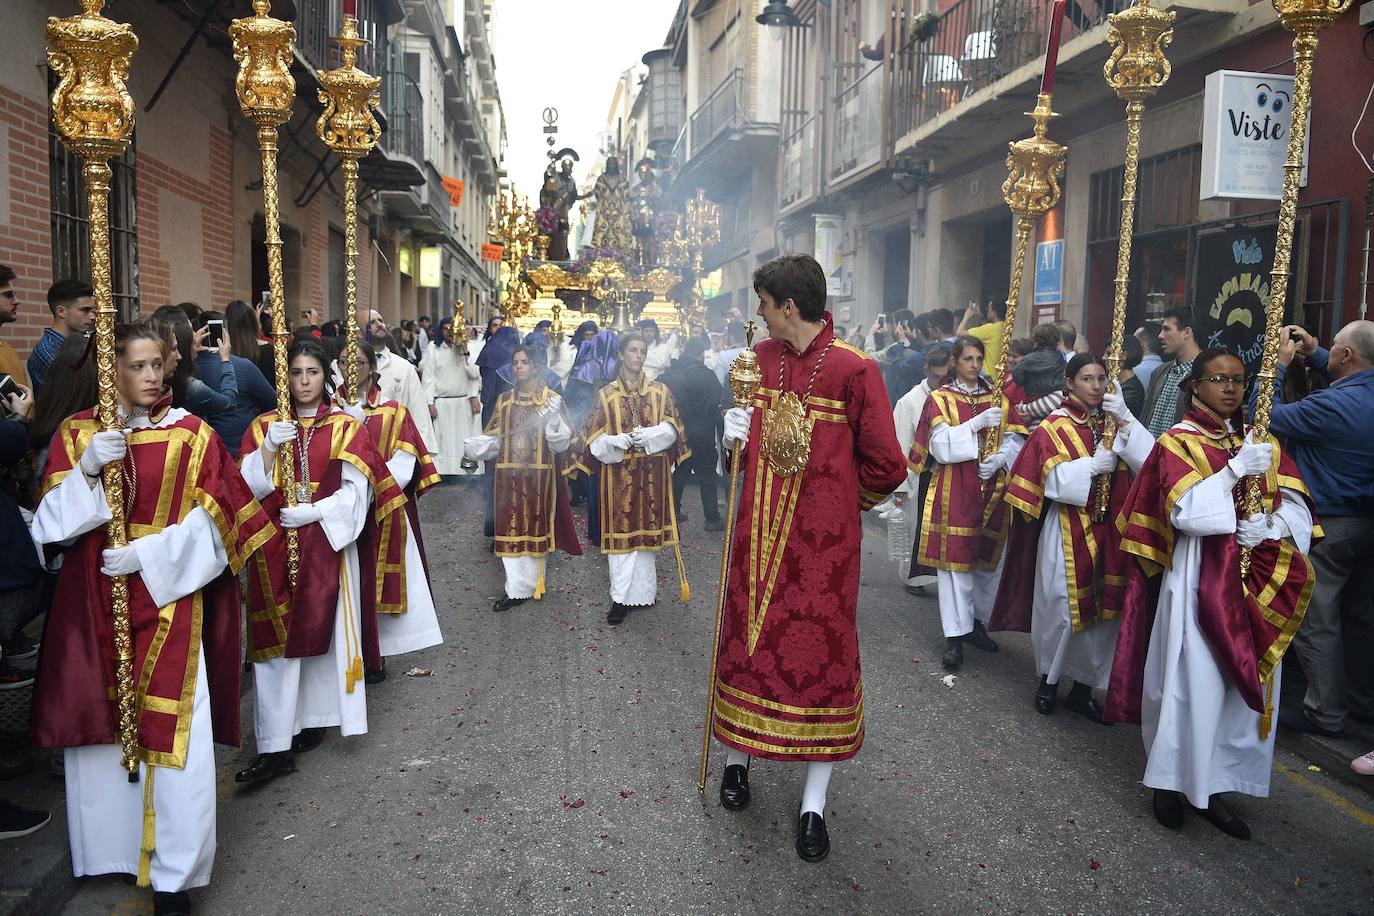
211	193
26	230
25	223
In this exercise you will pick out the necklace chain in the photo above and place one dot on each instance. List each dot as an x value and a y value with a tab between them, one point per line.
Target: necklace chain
303	443
811	383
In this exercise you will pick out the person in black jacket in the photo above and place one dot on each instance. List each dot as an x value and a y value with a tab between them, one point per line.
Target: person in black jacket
699	396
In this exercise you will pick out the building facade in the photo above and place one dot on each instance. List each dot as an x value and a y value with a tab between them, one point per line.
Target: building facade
875	136
186	211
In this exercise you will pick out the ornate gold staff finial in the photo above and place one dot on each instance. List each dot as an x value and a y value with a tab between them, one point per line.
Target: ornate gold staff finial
1034	167
94	114
348	127
1136	70
266	93
745	380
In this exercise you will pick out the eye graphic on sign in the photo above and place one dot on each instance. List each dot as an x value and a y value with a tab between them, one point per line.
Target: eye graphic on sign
1268	98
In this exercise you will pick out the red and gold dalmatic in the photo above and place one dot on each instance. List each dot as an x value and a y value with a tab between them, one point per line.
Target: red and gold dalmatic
1248	623
530	506
635	496
175	468
788	682
382	546
301	624
1095	566
963	523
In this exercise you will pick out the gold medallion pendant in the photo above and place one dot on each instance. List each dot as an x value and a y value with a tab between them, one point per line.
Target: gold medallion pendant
303	494
787	435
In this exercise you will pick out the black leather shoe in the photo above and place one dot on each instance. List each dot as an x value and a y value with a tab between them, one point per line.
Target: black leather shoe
918	590
980	639
307	740
1080	700
374	675
714	524
813	842
505	604
1224	819
954	652
1168	807
1046	696
268	766
617	614
177	904
734	787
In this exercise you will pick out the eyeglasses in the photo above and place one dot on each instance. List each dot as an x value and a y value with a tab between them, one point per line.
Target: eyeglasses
1237	381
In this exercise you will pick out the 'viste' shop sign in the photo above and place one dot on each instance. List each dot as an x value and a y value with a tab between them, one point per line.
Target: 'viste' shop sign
1245	118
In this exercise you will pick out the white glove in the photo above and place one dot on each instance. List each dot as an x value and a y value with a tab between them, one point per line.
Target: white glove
637	437
621	441
355	411
987	419
988	469
120	561
1115	404
1260	527
737	421
1103	461
278	434
104	448
1253	458
554	422
300	516
554	404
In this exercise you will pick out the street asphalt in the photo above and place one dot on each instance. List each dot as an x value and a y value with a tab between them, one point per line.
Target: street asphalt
548	766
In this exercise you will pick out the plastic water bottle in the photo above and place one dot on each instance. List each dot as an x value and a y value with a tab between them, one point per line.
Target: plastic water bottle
898	536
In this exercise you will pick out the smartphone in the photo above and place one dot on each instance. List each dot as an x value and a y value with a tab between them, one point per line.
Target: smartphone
215	329
8	386
267	299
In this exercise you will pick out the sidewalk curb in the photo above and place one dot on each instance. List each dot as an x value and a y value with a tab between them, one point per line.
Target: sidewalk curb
1333	755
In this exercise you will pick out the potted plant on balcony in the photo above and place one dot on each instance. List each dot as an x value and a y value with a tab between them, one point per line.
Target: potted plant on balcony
925	26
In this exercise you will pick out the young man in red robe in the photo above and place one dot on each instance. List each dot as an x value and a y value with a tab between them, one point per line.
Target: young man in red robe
818	448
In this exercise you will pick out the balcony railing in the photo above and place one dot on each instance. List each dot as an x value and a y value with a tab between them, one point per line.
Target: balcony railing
317	20
799	163
405	123
721	108
978	43
857	135
437	198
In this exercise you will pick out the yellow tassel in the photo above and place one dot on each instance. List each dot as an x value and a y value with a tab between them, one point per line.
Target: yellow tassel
539	583
358	668
145	849
1267	717
685	592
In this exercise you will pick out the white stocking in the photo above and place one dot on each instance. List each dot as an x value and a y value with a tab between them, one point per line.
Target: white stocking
817	778
734	757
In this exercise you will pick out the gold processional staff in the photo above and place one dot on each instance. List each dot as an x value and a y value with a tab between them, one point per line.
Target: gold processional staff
350	130
266	91
1304	18
1034	167
745	380
1136	70
94	115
